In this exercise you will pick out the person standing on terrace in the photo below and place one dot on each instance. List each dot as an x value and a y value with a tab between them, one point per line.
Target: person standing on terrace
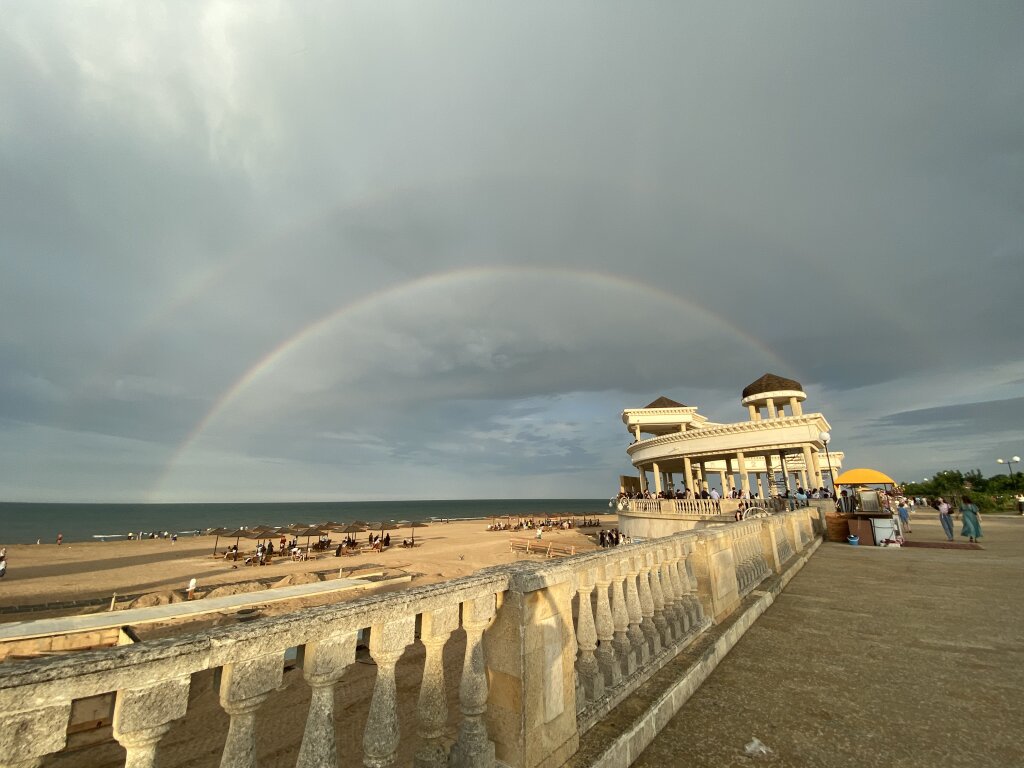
972	525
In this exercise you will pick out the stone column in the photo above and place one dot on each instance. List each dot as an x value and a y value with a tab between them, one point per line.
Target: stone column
741	465
647	626
688	472
323	664
435	629
657	477
624	649
771	408
244	685
797	409
605	626
723	483
388	642
768	541
816	464
753	412
473	748
143	715
586	640
716	573
637	639
531	658
26	737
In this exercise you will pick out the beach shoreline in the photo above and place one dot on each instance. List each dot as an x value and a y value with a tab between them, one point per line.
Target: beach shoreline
45	574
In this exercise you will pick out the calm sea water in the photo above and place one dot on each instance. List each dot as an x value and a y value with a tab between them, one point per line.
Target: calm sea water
23	523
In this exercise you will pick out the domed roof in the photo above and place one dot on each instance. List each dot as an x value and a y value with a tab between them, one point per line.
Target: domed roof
772	383
664	402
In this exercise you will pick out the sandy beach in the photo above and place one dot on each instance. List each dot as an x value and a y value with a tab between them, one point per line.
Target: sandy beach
41	574
46	573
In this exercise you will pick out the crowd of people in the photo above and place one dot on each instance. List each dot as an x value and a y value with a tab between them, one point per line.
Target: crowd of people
530	524
612	538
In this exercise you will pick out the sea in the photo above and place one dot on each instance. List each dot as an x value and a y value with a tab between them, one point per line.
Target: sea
27	523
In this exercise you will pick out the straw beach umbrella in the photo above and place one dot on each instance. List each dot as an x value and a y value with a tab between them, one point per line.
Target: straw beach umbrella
309	533
238	534
414	525
217	533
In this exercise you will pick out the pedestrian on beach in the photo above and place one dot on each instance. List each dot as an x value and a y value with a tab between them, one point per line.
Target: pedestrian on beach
904	513
945	517
972	525
60	539
3	564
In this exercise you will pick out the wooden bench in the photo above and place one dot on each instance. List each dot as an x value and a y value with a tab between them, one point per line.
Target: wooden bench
541	547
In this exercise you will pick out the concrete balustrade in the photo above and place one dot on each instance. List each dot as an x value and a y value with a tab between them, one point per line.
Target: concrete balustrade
550	648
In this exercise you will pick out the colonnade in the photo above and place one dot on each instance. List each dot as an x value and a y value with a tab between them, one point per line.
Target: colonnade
696	472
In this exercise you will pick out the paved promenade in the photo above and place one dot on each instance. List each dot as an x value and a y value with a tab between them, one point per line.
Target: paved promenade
873	657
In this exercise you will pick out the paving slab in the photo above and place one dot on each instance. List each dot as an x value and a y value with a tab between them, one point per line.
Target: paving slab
871	656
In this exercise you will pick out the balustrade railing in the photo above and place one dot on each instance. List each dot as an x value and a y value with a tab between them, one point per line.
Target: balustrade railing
549	648
702	507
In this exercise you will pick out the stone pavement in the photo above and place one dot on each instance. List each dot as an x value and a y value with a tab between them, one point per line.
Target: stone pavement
873	657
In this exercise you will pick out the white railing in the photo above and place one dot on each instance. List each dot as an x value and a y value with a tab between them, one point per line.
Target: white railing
561	642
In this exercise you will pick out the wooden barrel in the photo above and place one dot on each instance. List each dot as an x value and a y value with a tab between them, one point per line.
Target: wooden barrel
837	526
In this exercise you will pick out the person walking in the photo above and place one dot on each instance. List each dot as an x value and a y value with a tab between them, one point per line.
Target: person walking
945	517
904	514
972	525
1020	503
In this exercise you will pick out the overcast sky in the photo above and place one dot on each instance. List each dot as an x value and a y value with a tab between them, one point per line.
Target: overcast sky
319	250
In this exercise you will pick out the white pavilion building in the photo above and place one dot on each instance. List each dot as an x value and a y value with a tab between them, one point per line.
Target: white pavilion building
778	447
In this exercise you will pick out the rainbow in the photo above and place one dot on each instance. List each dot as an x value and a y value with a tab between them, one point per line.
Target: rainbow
278	353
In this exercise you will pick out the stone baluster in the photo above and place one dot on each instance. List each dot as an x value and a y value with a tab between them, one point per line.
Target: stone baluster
698	606
143	715
621	616
658	598
691	602
323	664
586	639
435	629
26	737
388	642
668	594
642	564
244	685
641	647
473	748
605	626
679	584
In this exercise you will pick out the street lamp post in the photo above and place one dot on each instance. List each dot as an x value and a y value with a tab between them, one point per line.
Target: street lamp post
825	437
1009	467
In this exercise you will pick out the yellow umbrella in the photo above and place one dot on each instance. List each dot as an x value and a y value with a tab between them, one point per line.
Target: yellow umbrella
864	477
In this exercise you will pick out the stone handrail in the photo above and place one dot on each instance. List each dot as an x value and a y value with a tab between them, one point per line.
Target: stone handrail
561	642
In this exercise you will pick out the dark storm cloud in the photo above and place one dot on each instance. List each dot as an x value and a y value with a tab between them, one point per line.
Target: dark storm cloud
992	419
184	189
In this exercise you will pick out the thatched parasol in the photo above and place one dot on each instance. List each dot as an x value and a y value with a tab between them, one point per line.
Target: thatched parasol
238	534
309	533
217	533
414	525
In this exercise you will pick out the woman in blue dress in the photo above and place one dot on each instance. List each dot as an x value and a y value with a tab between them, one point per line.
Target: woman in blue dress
972	525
